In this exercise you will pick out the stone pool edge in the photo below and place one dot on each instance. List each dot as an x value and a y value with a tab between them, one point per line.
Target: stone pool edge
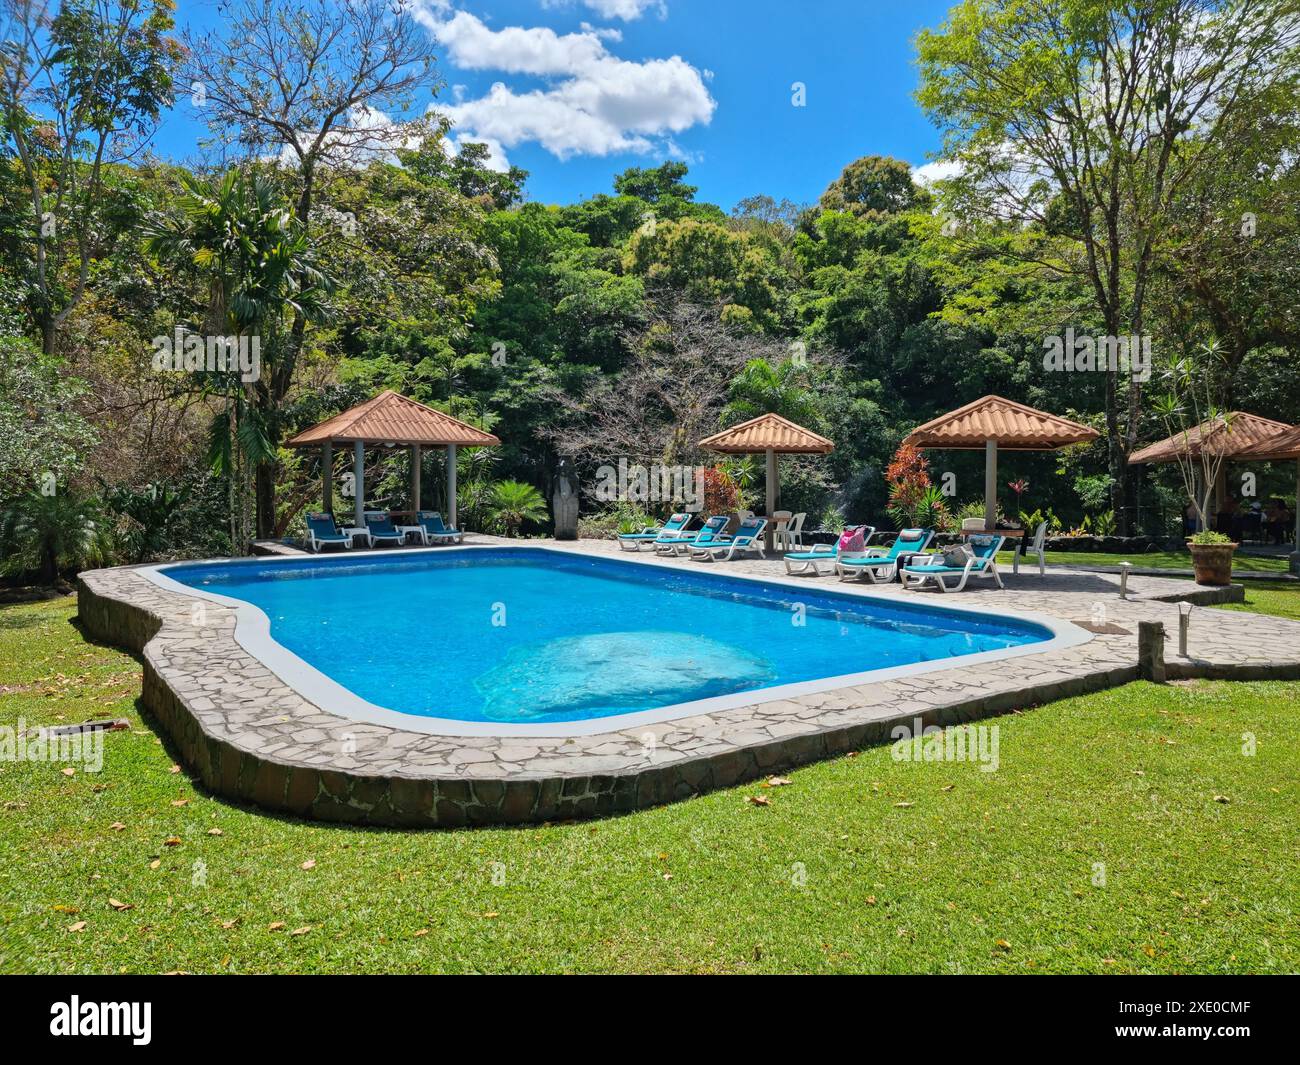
235	771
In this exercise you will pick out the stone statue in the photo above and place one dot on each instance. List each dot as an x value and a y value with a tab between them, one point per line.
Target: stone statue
564	501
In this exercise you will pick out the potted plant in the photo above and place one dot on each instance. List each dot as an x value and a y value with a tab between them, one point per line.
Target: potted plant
1189	405
1211	556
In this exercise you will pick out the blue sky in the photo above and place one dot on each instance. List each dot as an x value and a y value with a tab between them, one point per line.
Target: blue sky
575	91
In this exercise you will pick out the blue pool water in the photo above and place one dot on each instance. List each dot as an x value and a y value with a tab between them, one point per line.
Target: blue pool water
524	635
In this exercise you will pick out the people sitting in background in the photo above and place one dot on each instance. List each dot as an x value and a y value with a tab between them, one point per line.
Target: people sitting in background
1226	520
1277	520
1190	522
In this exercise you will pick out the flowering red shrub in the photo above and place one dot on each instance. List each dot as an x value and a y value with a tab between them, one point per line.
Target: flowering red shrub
721	493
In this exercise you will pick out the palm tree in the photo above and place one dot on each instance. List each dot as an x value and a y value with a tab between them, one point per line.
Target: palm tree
49	533
761	388
513	503
260	269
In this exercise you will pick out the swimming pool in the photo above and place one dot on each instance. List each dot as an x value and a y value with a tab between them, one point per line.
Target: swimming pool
519	641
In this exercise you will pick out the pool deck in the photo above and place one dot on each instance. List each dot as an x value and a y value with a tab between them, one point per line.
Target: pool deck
248	736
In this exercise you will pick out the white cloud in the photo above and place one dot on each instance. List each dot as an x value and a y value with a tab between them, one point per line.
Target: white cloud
627	10
593	102
929	173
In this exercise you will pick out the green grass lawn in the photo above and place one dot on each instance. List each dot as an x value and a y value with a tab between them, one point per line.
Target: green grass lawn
1151	559
863	863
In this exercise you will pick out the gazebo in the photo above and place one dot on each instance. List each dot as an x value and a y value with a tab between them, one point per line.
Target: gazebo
1279	448
1231	437
994	423
390	420
770	435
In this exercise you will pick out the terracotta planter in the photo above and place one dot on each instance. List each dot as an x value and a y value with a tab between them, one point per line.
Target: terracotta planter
1212	562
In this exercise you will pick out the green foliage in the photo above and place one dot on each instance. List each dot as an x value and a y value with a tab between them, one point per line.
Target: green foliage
1208	538
45	534
513	503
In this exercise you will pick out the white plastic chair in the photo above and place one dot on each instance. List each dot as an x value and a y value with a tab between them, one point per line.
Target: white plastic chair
781	529
1035	547
795	535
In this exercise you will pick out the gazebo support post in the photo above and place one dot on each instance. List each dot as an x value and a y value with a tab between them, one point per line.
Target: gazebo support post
1220	493
359	482
990	485
415	478
451	486
773	494
327	476
1295	555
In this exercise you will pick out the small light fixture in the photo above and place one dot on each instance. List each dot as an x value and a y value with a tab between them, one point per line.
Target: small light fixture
1184	623
1124	568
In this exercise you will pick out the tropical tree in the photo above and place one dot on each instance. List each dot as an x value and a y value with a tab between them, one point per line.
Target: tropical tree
259	269
46	533
1088	118
512	503
766	388
80	89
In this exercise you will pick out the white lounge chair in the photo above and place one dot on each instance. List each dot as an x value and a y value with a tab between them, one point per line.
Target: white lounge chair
745	540
879	564
798	562
933	568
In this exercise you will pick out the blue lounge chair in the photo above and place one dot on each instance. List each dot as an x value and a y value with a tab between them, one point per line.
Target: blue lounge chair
380	528
711	532
726	548
674	526
430	521
983	563
797	562
879	564
321	530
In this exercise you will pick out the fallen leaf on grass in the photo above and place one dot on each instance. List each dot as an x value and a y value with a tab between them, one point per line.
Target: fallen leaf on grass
215	832
420	932
1002	944
758	800
68	772
228	925
172	841
180	802
1149	951
65	909
903	805
174	769
492	913
310	863
79	926
117	826
275	926
1222	798
949	787
155	863
301	931
119	905
777	782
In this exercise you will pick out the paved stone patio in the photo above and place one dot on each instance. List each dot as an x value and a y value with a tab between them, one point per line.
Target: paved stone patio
248	736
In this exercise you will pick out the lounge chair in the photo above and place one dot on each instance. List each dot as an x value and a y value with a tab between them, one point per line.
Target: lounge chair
802	561
435	532
726	548
380	528
711	532
675	526
1035	547
321	530
880	565
933	568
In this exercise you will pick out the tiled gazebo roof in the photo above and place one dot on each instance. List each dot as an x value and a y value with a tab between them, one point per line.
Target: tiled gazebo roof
391	418
1283	445
768	432
1014	426
1242	432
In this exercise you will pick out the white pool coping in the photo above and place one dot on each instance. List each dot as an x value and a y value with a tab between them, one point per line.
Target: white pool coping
253	634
